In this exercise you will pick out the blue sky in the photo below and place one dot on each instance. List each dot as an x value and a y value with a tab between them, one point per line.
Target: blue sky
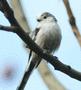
13	53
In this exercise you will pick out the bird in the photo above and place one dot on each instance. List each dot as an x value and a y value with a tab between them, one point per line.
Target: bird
47	36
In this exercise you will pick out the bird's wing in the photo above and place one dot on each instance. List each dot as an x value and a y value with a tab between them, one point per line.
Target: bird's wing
33	35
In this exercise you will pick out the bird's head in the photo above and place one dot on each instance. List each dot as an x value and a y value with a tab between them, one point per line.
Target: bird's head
46	17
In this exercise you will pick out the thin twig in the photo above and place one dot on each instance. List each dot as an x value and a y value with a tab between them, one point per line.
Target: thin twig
72	21
9	29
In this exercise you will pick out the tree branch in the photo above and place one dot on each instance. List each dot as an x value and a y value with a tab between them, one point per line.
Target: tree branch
20	14
32	45
72	21
9	29
53	60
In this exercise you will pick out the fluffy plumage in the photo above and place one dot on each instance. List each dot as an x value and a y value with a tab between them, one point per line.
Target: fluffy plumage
48	36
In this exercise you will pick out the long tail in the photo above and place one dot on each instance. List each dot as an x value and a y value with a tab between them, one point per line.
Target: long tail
32	65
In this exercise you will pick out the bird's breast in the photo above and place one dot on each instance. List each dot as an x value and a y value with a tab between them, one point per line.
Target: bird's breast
49	37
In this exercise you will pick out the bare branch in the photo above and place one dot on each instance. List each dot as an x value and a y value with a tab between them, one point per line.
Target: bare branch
51	59
72	21
7	28
64	68
20	14
49	78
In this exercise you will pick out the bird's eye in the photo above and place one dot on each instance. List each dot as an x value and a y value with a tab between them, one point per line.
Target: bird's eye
45	17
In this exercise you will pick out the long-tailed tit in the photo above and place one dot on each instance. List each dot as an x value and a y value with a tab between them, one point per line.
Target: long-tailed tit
48	36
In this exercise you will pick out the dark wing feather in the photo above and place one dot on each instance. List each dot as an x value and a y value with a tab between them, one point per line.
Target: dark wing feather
33	36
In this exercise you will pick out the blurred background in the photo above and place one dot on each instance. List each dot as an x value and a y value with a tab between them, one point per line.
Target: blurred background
14	55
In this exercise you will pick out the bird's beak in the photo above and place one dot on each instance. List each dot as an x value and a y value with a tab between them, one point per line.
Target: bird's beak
38	19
